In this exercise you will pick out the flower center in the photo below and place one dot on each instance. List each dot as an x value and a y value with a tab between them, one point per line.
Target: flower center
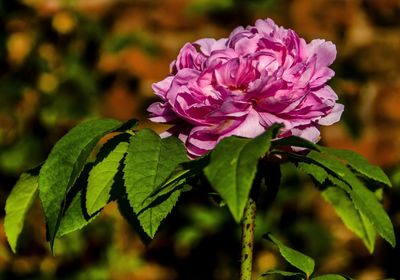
237	89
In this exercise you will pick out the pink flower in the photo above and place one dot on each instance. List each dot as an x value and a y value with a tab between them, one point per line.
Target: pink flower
242	84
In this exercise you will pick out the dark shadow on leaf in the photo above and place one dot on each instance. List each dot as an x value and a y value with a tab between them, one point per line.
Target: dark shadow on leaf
79	187
34	171
160	199
270	173
118	193
182	174
110	145
128	125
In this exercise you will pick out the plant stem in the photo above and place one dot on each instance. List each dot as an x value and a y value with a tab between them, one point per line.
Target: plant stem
248	225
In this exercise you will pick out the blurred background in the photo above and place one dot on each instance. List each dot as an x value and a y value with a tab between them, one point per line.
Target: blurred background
63	61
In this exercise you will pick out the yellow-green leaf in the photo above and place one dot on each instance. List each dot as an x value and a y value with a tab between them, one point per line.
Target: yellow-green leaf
294	257
17	205
101	179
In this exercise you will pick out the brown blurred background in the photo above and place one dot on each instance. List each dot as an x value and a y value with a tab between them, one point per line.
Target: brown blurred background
62	61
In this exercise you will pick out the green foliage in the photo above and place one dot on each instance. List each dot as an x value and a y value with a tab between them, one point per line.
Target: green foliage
149	162
146	175
300	261
330	167
295	258
360	164
316	171
294	141
350	215
126	210
343	204
18	204
233	166
363	199
74	216
180	177
101	179
64	165
73	193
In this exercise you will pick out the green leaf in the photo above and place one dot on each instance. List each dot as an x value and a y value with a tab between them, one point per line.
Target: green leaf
101	179
18	204
343	205
233	166
118	193
360	164
367	203
316	171
181	176
110	145
297	275
364	200
331	277
295	258
64	165
149	162
75	216
350	216
126	211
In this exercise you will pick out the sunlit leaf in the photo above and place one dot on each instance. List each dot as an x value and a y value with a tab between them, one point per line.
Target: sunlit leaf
350	216
149	162
316	171
360	164
74	216
101	179
17	206
364	200
295	258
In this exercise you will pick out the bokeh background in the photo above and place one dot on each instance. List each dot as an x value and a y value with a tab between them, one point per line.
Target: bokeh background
63	61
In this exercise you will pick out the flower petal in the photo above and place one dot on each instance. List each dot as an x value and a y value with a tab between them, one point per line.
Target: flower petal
333	116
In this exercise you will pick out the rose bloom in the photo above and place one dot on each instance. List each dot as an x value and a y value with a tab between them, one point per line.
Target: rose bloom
241	85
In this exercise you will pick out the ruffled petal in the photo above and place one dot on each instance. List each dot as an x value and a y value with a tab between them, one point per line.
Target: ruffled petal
241	85
333	116
161	112
161	88
324	51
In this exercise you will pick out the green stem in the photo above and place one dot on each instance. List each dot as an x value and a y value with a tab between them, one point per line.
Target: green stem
248	225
